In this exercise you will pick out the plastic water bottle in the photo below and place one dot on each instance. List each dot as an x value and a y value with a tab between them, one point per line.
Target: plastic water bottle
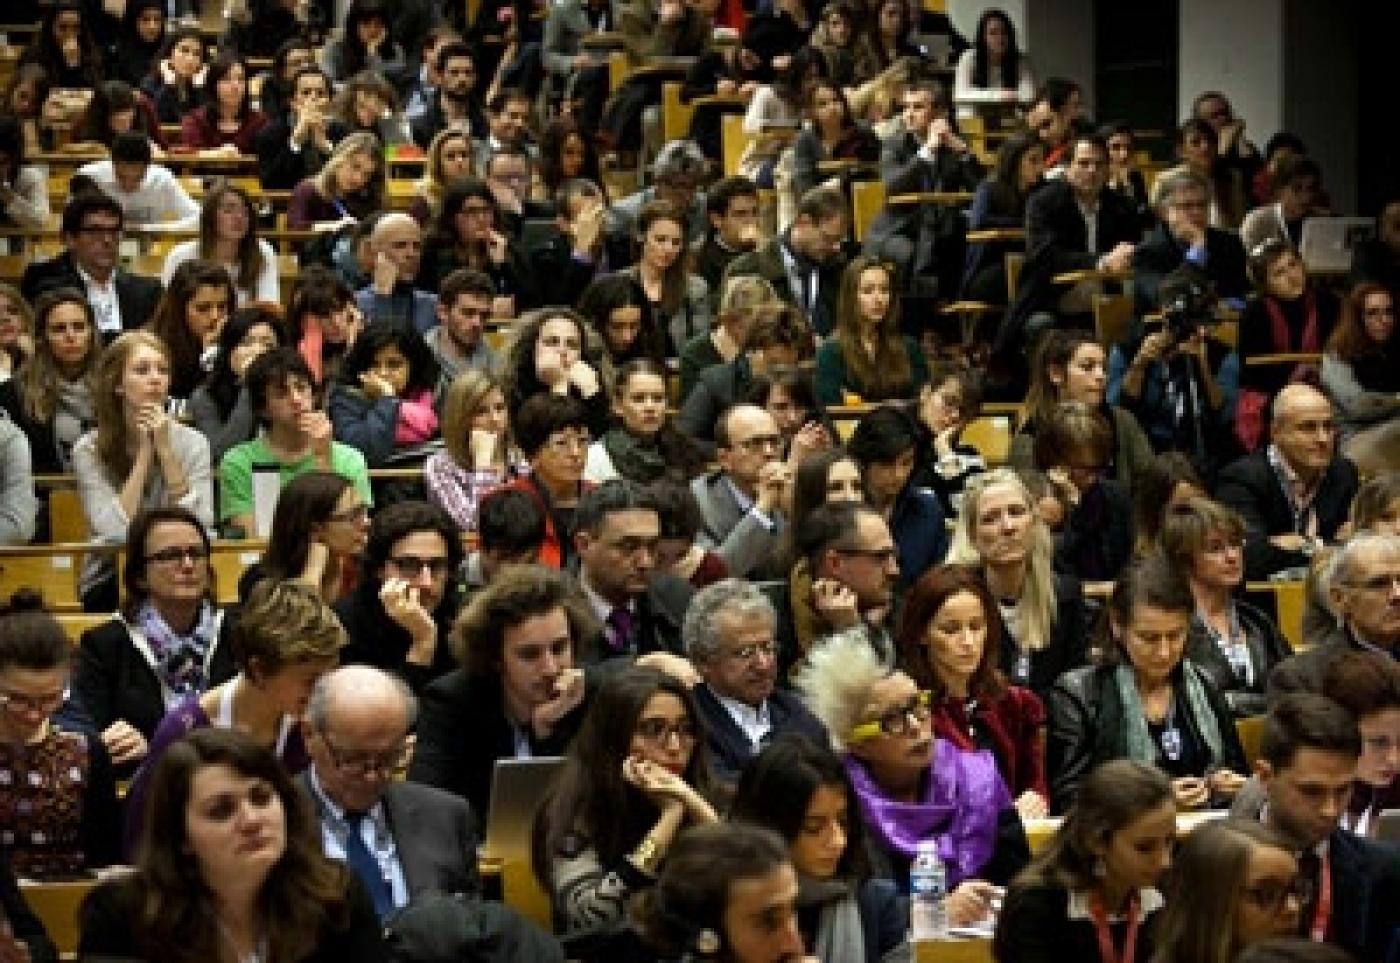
928	895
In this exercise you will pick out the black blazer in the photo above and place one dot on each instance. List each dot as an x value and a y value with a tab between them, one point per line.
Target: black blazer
717	387
137	296
1034	927
1086	728
1366	895
1251	487
1161	254
463	730
375	639
659	615
1068	648
279	167
1057	241
1267	649
115	679
730	749
767	263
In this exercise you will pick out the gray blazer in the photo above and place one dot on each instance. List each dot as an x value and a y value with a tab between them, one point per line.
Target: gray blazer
748	547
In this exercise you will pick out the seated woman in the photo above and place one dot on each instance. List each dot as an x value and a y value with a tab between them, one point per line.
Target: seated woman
740	304
553	352
1232	884
164	645
141	39
319	531
1361	374
619	312
567	152
220	407
1145	700
188	319
323	322
382	401
16	331
60	796
944	464
802	792
780	337
116	108
276	898
885	40
64	46
1231	641
1367	684
477	453
367	44
1106	859
350	187
1043	623
680	300
631	781
449	159
677	551
776	107
31	99
786	393
552	432
175	82
948	643
911	785
830	134
368	104
1073	447
1124	178
1164	486
1376	507
994	75
884	445
227	121
228	236
643	446
832	475
866	355
1289	313
50	399
1198	148
137	457
24	198
1070	367
469	233
285	639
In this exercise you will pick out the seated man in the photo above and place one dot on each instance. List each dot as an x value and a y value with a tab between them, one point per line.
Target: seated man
1072	224
390	298
616	531
732	209
730	636
458	340
151	197
507	125
453	105
296	146
403	840
92	231
1295	492
295	437
509	531
582	251
418	97
1185	236
676	176
1054	115
1308	756
851	567
509	172
1363	587
1297	185
518	694
804	264
399	615
925	154
744	504
1233	148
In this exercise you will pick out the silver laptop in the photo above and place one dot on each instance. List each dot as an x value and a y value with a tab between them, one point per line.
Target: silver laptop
1328	242
518	786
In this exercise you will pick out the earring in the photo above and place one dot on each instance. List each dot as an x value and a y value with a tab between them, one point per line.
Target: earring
707	942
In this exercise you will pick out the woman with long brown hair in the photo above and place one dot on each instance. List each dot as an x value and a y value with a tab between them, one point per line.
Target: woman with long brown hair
189	317
680	300
867	355
228	236
1361	374
477	453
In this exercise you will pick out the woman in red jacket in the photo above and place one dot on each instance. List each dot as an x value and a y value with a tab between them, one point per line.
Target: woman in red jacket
226	121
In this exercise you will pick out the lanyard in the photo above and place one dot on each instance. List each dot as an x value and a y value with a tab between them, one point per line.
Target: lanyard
1107	954
1317	931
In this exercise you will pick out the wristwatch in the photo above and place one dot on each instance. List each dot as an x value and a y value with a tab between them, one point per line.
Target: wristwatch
646	855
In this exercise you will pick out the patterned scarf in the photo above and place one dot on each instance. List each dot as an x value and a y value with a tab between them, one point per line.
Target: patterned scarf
1140	744
179	659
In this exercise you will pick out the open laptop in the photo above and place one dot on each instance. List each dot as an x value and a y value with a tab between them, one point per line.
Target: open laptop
518	786
1328	242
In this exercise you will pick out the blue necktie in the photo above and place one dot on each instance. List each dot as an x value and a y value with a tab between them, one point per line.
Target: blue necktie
363	862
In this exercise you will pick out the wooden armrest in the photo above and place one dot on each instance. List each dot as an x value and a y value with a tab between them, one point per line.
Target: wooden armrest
716	100
839	165
1290	357
991	235
930	197
604	41
1091	274
971	307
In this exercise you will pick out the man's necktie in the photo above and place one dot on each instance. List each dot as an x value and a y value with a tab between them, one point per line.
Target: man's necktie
367	867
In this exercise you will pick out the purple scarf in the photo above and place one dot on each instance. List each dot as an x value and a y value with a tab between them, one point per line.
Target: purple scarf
963	797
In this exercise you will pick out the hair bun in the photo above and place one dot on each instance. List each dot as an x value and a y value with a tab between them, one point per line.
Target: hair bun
24	599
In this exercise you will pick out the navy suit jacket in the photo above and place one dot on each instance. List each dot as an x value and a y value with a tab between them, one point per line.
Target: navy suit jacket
730	750
1365	895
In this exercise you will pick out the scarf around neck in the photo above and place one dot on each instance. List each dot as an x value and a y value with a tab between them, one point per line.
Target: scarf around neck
1138	740
636	459
962	799
179	659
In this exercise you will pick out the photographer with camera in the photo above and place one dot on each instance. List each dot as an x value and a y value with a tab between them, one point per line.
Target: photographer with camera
1177	379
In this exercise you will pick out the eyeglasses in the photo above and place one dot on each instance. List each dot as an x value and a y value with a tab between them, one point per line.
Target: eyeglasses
364	765
897	721
1377	583
752	651
1271	895
760	443
567	443
409	566
357	514
104	233
658	732
18	702
178	554
882	556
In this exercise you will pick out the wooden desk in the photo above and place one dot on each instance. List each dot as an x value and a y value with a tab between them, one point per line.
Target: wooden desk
953	951
56	905
1290	357
603	40
1091	274
944	198
997	235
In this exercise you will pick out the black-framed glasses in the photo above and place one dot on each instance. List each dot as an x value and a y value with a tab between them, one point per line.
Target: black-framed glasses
178	554
882	556
409	566
658	732
19	702
897	721
365	765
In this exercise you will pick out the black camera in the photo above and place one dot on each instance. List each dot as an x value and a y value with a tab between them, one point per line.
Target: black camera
1186	302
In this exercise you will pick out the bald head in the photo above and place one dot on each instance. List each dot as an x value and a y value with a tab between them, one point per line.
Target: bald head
1304	429
399	239
1298	398
356	694
356	731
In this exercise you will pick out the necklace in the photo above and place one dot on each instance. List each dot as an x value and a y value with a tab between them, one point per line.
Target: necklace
256	954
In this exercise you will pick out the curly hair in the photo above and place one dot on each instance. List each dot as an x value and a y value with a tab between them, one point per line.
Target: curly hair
517	593
835	681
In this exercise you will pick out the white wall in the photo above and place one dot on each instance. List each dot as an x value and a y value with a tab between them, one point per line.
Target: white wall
1236	47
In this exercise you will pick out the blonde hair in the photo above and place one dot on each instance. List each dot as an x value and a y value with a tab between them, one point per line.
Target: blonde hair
835	681
113	444
361	143
465	396
284	623
746	294
1035	609
11	293
434	184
